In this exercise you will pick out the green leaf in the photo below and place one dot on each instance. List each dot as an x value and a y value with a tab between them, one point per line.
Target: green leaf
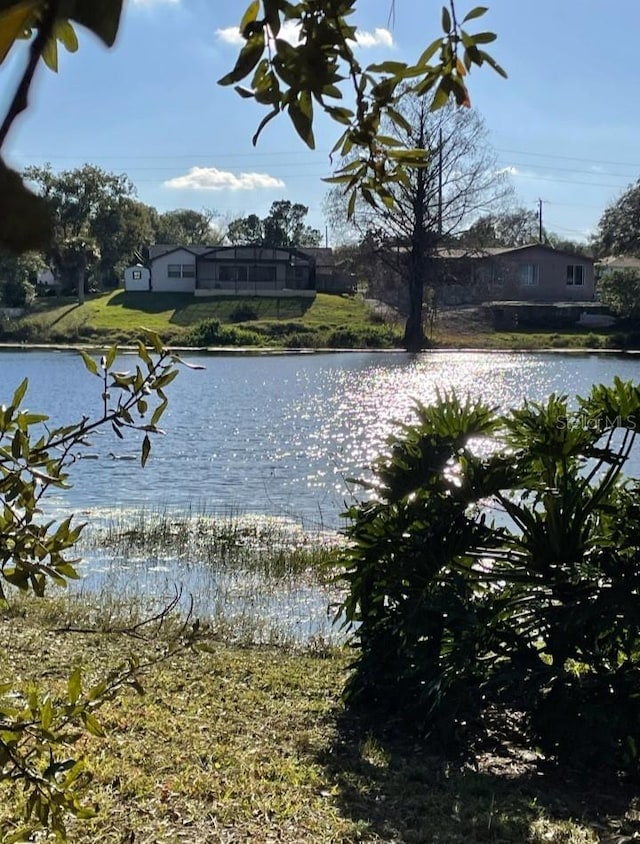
50	54
475	13
24	217
102	17
446	20
146	449
429	52
484	37
250	15
89	362
20	393
13	22
301	114
110	357
74	685
92	724
248	58
46	714
66	34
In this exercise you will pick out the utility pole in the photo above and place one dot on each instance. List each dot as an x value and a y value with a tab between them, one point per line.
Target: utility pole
540	220
440	184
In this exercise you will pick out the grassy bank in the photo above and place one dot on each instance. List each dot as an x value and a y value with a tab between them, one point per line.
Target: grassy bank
246	744
328	321
180	319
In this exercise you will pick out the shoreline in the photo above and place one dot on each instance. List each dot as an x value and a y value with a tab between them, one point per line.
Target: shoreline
274	351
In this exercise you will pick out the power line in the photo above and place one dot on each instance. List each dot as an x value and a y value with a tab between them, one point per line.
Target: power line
635	165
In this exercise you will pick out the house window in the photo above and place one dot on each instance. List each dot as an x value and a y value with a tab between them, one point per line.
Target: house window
528	275
262	272
136	275
232	273
181	271
575	275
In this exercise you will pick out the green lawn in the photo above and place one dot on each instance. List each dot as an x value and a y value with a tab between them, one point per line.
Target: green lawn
248	744
118	316
335	321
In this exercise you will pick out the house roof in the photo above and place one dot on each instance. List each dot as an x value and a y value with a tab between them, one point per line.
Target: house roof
157	250
322	256
620	262
493	251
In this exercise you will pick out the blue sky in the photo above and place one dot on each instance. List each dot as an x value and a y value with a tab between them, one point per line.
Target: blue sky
565	123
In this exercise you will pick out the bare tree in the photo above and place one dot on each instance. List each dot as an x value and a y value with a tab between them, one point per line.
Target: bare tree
427	205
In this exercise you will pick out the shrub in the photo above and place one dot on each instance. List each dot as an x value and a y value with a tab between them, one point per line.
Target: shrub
620	290
243	313
211	332
455	613
16	292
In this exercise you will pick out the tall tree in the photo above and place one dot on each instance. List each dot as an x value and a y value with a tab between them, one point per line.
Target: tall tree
121	230
455	180
188	227
246	230
619	227
78	200
513	227
284	225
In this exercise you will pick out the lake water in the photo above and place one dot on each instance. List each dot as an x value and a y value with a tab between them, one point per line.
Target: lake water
274	435
278	434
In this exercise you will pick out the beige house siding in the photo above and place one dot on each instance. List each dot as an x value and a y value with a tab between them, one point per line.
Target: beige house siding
174	272
541	274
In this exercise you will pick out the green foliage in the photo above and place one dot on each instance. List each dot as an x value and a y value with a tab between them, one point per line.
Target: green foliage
16	292
457	610
243	313
211	332
620	290
618	229
283	77
292	78
283	226
38	727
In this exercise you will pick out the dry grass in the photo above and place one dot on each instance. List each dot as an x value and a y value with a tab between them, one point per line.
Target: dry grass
252	745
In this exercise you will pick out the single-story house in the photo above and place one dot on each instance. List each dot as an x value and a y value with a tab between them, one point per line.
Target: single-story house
238	270
468	276
533	273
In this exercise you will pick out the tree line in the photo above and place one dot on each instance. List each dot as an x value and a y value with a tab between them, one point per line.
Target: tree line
99	227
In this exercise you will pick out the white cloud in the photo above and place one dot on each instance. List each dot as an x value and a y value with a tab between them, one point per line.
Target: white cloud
508	171
290	32
210	178
230	35
380	37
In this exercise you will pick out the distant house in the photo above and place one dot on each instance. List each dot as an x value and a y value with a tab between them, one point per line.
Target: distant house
238	270
617	262
533	273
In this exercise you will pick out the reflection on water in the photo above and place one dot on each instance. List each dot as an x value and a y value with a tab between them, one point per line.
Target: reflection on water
280	435
267	435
